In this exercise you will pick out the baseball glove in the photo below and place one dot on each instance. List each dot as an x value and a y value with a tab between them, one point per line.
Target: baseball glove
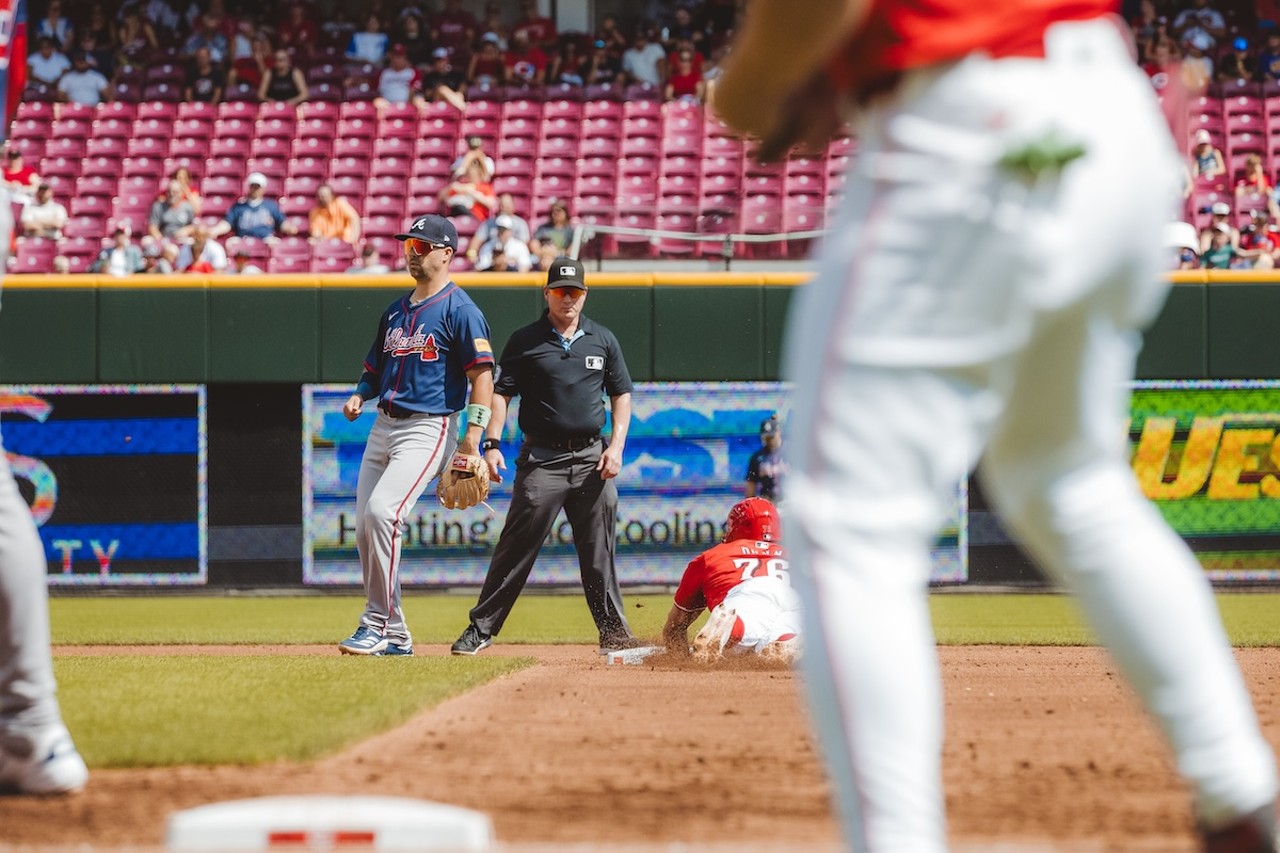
464	483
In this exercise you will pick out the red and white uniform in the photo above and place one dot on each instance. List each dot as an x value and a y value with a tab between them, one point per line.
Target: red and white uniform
1012	334
751	579
396	85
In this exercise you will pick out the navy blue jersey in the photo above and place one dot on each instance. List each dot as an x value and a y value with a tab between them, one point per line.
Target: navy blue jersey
767	468
420	357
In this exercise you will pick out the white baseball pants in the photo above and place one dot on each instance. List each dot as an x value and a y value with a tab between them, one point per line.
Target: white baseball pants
402	456
768	609
960	309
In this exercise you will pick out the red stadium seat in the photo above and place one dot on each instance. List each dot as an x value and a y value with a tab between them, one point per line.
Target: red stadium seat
403	127
86	225
388	184
297	204
197	109
34	255
310	146
349	167
270	146
332	256
565	109
353	146
384	205
226	165
319	110
100	166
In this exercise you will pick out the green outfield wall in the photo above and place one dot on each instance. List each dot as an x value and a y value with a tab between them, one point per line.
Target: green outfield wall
673	326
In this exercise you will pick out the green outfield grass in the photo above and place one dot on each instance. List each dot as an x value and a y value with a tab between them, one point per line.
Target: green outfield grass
131	710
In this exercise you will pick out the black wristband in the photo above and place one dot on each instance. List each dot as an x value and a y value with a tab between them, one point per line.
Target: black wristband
488	444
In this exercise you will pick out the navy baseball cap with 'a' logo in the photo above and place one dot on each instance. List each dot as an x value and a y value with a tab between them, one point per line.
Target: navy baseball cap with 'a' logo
434	229
566	272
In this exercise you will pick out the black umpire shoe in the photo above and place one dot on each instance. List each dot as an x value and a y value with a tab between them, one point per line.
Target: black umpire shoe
1253	833
619	642
471	641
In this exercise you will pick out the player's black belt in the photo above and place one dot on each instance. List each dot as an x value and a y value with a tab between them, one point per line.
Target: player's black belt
562	443
397	412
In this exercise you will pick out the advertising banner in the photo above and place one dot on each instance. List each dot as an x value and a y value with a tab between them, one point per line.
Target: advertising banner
1208	454
116	479
685	465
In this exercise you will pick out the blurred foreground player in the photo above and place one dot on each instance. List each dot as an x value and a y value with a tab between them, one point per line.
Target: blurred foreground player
998	129
37	755
743	582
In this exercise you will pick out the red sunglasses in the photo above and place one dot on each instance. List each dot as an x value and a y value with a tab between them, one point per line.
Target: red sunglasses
562	292
418	246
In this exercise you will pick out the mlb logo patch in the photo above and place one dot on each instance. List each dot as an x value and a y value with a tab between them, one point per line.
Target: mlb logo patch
595	362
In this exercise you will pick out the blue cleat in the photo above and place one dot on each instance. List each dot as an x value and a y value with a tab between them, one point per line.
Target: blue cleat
365	641
396	650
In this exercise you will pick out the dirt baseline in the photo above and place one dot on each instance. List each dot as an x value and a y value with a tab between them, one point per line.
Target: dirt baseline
1045	746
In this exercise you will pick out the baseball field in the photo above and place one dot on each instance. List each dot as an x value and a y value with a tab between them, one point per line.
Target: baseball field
181	701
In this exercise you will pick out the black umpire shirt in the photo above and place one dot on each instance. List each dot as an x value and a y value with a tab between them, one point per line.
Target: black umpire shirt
562	392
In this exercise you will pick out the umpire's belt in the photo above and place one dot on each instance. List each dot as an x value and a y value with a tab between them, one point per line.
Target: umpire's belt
397	412
562	443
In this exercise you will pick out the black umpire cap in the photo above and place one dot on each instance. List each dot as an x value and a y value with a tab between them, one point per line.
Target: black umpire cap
435	229
566	272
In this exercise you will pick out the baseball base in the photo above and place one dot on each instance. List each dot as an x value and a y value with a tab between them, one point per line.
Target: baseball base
634	656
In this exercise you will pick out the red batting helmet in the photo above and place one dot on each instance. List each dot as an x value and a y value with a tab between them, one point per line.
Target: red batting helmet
754	518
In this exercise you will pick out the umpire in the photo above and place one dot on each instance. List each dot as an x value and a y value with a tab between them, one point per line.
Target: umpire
561	366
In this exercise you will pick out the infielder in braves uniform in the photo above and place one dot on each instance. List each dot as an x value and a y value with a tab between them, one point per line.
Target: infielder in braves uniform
37	755
1022	138
744	582
430	344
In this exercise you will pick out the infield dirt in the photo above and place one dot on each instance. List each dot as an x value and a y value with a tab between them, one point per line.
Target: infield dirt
1045	746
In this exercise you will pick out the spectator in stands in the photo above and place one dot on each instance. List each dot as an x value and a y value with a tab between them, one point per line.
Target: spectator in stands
1238	64
121	258
171	216
369	45
1164	65
417	45
202	254
1206	159
1221	252
538	30
453	27
61	265
604	65
242	265
557	230
1254	181
645	61
524	64
506	245
210	38
297	32
18	178
679	29
47	64
44	217
1220	213
82	84
251	68
254	215
568	66
685	82
469	194
545	256
475	153
101	60
189	191
488	229
1269	59
54	25
399	82
443	82
99	30
1201	20
486	68
611	35
1197	67
205	81
333	217
283	82
369	263
164	17
493	25
1180	237
158	259
1258	243
135	39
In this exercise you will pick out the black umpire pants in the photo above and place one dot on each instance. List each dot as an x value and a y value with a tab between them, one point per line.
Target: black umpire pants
546	481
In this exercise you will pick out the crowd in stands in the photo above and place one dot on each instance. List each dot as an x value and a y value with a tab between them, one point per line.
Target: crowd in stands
96	67
1222	59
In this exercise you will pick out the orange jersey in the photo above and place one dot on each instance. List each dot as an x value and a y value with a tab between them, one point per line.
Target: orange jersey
710	576
902	34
